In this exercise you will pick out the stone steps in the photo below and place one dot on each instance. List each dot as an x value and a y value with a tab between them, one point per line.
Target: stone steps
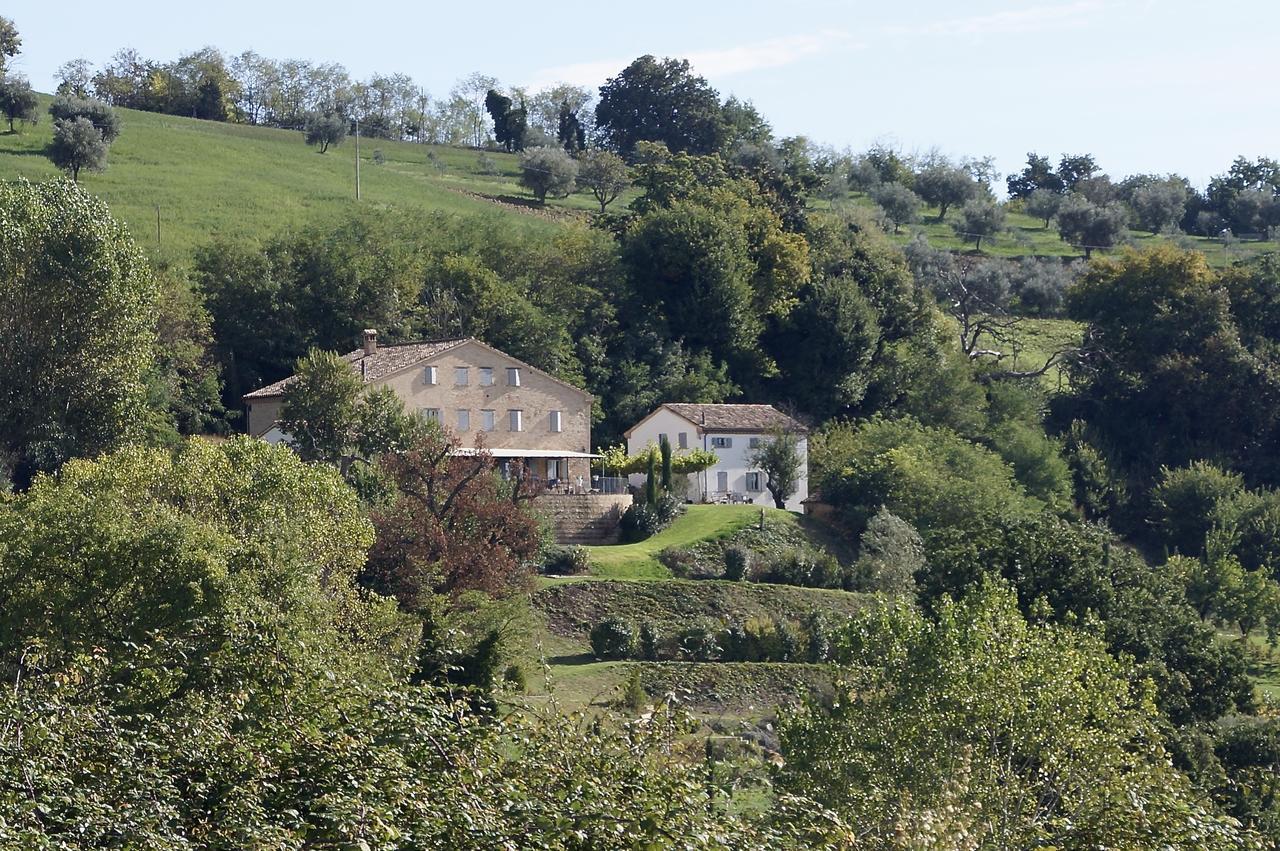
583	519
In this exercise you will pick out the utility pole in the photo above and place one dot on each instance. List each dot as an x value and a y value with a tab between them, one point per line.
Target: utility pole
357	158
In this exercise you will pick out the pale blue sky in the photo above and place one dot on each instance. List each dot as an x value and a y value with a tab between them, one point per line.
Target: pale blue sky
1144	85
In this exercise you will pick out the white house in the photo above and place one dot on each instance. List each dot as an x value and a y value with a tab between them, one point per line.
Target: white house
731	432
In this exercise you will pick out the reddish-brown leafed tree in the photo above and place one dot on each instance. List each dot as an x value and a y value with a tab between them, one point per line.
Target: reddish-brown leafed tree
454	526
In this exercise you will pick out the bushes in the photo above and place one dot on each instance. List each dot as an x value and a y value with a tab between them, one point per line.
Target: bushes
891	553
808	568
613	638
565	561
1183	503
757	639
737	562
639	521
644	519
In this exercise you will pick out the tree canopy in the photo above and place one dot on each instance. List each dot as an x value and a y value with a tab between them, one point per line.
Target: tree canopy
660	100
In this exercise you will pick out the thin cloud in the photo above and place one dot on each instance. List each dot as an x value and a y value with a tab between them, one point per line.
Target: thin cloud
726	62
1034	19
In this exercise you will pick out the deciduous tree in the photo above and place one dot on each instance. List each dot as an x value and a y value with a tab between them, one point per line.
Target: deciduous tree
455	525
10	42
944	730
660	100
779	458
77	322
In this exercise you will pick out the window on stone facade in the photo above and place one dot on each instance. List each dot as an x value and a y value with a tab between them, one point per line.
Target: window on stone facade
513	376
432	414
554	421
516	420
461	376
464	420
486	376
432	377
487	420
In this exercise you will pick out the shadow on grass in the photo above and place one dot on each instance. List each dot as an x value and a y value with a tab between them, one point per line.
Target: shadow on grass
572	659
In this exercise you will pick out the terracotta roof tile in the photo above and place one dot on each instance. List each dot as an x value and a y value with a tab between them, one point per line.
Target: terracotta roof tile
387	360
736	418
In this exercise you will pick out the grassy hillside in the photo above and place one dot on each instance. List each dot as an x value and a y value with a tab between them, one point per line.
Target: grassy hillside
629	583
698	523
208	178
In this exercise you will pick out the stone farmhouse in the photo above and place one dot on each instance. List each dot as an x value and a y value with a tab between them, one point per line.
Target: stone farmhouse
481	394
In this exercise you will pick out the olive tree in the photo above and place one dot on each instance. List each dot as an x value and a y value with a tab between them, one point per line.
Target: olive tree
943	185
1089	225
101	115
77	145
548	171
604	173
900	205
326	130
980	219
1159	205
1043	204
17	100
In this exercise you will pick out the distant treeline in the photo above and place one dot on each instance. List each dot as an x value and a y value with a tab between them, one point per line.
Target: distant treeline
254	89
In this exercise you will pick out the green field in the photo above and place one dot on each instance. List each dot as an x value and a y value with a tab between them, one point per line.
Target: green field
208	179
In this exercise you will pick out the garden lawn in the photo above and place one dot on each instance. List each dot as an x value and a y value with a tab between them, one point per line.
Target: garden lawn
697	523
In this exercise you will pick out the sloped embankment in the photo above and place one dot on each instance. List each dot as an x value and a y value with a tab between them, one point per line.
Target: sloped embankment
573	608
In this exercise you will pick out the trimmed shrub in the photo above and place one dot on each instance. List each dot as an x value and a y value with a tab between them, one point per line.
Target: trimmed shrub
699	644
808	568
668	508
650	645
679	562
612	638
639	521
737	563
565	561
634	697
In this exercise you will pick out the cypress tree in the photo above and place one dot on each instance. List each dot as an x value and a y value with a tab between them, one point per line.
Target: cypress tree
665	448
651	482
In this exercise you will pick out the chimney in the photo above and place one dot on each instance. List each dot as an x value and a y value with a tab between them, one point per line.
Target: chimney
370	341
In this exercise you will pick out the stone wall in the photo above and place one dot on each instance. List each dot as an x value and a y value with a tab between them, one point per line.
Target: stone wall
583	518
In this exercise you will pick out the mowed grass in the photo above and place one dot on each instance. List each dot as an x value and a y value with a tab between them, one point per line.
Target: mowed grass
209	179
698	523
1028	236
